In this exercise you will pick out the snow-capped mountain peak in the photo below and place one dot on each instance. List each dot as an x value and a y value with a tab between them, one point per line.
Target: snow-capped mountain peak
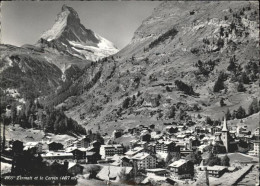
69	36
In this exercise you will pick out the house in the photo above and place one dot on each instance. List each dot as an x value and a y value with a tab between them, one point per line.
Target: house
79	153
92	157
194	143
83	142
171	129
146	137
111	150
181	136
215	129
255	151
75	168
256	132
144	161
17	147
151	148
165	146
36	145
216	170
158	172
53	146
69	142
57	156
142	144
112	173
59	168
96	145
182	169
126	162
117	133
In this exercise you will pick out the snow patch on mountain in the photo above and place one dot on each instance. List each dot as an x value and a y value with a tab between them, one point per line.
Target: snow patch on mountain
57	28
104	48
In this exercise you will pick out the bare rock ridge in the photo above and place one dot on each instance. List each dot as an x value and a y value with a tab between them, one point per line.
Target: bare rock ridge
69	36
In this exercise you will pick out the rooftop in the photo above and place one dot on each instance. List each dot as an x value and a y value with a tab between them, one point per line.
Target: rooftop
141	156
56	154
216	168
178	163
134	151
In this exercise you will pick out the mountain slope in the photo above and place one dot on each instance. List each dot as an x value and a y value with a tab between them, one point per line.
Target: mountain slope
33	72
69	36
170	69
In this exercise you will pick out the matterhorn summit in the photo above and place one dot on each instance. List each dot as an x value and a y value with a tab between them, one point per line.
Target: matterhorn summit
69	36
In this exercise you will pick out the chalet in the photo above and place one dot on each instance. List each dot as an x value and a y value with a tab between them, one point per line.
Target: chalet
181	136
117	133
83	142
126	162
111	173
216	170
59	168
151	148
57	156
133	143
232	134
142	144
165	146
188	132
256	149
144	161
171	129
146	137
256	132
75	168
182	169
93	157
36	145
157	171
215	129
96	144
69	142
79	153
53	146
194	143
185	152
17	147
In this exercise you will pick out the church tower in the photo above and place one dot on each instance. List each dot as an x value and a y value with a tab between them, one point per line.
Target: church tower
225	134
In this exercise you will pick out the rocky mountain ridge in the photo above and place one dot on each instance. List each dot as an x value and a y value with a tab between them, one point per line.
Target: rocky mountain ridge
55	61
68	35
169	70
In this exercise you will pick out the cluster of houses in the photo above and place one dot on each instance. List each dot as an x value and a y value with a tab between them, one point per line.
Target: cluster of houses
146	151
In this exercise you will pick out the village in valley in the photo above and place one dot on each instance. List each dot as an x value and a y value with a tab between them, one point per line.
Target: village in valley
180	153
173	100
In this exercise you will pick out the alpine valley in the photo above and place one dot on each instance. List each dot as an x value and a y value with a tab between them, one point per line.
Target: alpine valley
186	61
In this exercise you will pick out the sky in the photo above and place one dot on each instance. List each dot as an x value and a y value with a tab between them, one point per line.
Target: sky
23	22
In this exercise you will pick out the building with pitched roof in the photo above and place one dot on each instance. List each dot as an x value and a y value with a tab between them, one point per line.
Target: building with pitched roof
144	161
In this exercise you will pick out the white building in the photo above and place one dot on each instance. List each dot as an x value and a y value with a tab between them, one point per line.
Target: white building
144	161
255	151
